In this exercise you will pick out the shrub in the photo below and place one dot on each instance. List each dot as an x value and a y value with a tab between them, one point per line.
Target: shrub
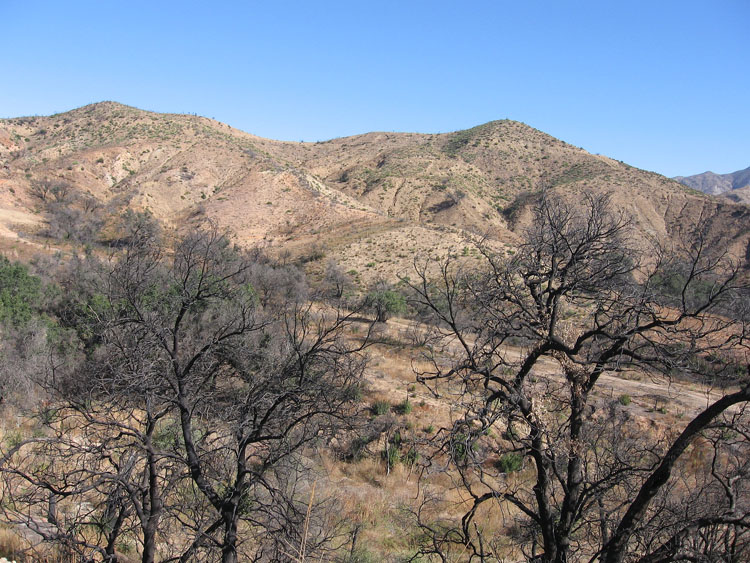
20	293
385	303
510	462
354	392
392	456
358	448
13	438
406	407
361	555
511	434
396	439
461	445
624	400
381	407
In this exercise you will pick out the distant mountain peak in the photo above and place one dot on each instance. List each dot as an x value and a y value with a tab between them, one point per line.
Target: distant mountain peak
716	184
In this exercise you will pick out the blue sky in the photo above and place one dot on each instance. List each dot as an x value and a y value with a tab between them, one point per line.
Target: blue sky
661	85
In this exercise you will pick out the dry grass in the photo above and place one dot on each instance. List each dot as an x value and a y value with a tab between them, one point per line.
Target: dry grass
378	503
11	543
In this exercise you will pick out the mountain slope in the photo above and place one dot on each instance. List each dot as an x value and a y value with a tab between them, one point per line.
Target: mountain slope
175	166
716	184
371	201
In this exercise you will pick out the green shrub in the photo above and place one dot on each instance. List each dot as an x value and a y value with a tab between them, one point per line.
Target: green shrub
461	444
511	433
405	407
361	555
381	407
392	456
396	439
624	400
510	462
354	392
358	448
13	438
385	303
20	293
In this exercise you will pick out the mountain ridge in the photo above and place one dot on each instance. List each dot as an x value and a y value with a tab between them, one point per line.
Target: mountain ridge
373	200
717	184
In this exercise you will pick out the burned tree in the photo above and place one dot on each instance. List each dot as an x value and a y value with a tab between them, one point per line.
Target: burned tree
197	400
528	340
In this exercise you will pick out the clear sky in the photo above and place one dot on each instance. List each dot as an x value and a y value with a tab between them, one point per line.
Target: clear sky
663	85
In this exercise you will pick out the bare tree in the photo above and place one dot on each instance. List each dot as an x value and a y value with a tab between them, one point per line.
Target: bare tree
41	189
579	296
207	374
248	384
336	281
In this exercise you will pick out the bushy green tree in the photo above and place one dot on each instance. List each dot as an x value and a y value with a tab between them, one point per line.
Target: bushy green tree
385	302
20	293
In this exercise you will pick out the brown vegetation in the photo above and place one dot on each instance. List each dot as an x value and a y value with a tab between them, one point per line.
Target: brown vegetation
575	324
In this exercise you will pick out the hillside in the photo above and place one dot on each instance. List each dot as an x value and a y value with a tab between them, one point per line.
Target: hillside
372	201
189	401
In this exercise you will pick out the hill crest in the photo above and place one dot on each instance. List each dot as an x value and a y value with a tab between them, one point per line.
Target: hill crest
372	201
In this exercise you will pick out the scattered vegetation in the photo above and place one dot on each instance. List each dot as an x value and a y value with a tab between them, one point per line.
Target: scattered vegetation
169	396
510	462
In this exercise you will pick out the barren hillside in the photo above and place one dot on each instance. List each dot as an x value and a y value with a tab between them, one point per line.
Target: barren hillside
372	201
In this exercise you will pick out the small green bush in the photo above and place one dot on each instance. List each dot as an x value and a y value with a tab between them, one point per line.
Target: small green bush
392	456
510	462
511	434
624	400
13	438
396	439
460	446
358	448
361	555
385	303
405	407
381	407
354	392
20	293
